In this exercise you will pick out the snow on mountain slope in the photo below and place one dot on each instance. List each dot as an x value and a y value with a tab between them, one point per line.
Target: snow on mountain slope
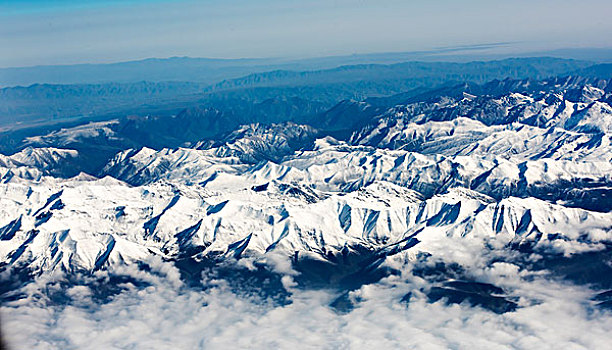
463	136
255	142
89	224
147	165
342	168
596	117
33	163
447	137
80	133
44	158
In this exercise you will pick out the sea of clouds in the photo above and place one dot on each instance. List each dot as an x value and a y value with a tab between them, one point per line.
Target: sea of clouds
156	309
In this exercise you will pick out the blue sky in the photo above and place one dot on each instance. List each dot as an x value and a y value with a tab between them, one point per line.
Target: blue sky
36	32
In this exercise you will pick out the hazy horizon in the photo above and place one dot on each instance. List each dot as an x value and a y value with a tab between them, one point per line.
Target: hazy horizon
479	52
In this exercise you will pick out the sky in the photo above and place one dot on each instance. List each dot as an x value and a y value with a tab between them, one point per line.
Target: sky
36	32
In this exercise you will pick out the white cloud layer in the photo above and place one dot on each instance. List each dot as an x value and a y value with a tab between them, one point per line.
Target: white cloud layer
168	315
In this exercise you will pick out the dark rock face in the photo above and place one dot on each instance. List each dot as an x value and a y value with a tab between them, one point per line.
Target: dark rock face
479	294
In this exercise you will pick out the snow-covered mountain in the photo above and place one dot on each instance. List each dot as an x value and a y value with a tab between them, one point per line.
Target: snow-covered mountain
571	121
344	168
505	171
318	203
33	163
49	225
255	142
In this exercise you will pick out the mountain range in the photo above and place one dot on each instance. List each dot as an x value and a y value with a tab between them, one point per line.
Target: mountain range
505	152
476	186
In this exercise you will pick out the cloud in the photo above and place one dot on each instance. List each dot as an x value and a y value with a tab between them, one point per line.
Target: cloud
164	313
